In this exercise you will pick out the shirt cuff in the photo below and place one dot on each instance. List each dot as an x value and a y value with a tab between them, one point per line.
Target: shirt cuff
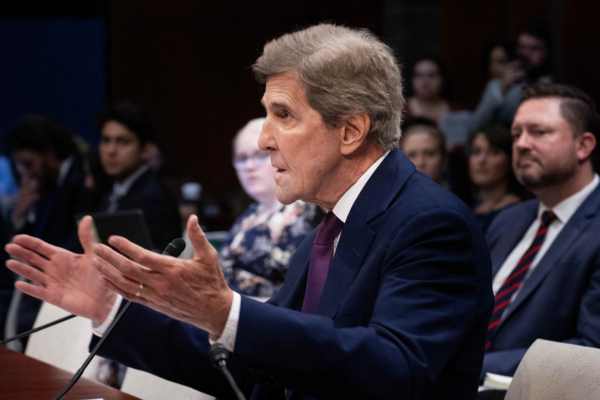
99	329
229	334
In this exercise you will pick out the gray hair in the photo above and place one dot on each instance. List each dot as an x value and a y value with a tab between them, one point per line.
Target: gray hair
344	71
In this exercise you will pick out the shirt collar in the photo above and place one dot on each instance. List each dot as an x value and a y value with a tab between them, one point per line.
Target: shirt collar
121	188
64	170
566	208
344	205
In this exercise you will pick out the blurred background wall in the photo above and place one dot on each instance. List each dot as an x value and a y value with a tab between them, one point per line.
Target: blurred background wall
188	62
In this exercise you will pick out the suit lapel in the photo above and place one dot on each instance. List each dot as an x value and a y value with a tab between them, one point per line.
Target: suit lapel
295	279
512	238
357	236
565	239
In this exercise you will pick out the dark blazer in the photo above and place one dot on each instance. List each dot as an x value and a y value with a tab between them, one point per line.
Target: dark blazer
403	313
56	210
159	206
560	301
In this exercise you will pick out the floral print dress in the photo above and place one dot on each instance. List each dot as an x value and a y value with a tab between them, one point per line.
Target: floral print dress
255	257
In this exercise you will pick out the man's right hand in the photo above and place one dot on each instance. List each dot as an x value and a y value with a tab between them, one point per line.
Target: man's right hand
64	279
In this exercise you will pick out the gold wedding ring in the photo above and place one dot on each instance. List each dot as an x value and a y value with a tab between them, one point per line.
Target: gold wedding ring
139	292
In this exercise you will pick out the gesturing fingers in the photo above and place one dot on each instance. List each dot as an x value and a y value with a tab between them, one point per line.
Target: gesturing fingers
27	271
125	266
86	237
202	248
30	257
116	278
146	258
36	245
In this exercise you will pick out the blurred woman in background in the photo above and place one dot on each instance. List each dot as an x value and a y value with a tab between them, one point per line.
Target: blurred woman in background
428	91
490	170
255	257
425	146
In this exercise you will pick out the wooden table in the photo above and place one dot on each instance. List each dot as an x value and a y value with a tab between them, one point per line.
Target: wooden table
23	378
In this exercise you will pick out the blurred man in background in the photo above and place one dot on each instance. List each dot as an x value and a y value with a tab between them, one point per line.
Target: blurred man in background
545	256
51	187
125	144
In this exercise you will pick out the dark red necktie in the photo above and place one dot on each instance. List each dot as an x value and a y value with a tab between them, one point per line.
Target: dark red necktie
320	258
517	276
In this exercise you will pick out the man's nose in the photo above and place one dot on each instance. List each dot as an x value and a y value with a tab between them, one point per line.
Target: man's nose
266	140
522	142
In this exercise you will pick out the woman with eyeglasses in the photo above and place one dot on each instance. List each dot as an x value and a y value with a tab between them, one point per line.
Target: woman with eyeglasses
255	257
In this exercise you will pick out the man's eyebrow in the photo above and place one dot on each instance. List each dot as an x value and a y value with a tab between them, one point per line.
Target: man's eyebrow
275	105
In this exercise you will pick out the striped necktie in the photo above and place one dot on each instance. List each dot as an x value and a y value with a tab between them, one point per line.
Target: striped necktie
516	278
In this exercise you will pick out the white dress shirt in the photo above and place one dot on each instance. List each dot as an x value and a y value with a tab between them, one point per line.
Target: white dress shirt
227	338
563	211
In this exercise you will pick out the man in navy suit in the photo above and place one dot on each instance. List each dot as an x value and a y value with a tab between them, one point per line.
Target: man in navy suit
50	192
125	142
545	252
389	298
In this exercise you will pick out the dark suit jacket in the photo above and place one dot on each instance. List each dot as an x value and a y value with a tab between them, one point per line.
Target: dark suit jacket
403	313
159	206
560	301
56	210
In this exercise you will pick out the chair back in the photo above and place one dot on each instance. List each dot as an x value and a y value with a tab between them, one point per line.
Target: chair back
64	345
553	371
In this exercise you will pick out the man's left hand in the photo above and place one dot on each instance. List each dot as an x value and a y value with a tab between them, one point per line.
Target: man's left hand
193	291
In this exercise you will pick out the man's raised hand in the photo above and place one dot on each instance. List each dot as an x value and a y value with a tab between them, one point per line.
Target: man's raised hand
60	277
192	291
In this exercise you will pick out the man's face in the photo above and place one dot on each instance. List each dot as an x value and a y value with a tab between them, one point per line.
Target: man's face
37	166
544	149
533	50
424	151
427	81
121	153
305	152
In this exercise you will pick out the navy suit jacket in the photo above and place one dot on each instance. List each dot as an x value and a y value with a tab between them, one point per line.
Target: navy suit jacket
560	300
160	209
403	313
56	210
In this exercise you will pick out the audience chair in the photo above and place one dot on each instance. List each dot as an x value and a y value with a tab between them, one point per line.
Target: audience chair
557	371
149	387
64	345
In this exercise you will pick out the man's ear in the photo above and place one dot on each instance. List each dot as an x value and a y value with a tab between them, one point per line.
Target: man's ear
354	133
586	143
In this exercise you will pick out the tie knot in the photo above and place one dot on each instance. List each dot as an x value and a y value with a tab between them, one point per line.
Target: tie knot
548	217
330	228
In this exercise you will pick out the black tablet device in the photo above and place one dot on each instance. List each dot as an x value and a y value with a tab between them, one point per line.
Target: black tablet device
127	223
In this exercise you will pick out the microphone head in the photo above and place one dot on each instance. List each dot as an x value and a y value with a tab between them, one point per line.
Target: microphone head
218	355
175	248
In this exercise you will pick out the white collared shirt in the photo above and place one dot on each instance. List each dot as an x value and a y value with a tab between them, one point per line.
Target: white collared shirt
121	189
563	211
228	337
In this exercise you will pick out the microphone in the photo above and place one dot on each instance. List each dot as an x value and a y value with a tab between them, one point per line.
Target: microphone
218	356
173	249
